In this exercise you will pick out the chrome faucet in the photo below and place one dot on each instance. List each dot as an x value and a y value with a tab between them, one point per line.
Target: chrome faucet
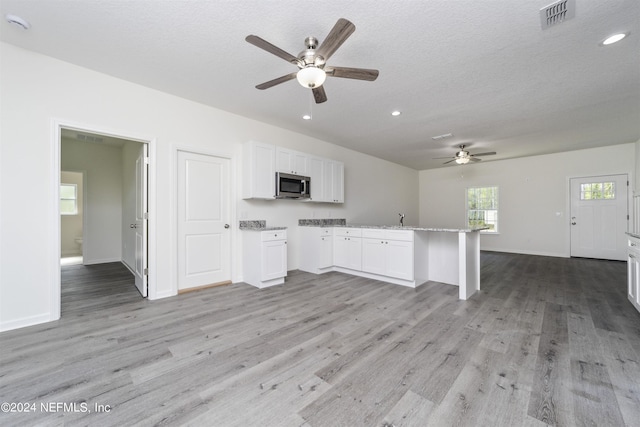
401	219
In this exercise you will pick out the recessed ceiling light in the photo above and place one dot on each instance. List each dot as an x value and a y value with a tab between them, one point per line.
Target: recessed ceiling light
306	117
396	113
614	38
16	20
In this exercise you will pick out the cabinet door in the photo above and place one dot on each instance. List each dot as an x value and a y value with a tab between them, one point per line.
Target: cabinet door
333	181
373	256
399	259
283	160
259	171
317	173
633	278
300	163
341	251
274	259
291	161
325	254
354	253
338	182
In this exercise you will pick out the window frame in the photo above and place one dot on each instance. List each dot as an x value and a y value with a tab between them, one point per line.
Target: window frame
75	199
495	201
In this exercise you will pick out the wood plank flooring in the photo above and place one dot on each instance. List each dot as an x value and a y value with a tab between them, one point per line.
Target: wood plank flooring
548	341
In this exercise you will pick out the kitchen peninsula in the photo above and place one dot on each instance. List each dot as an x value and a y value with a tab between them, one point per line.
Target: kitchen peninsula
407	256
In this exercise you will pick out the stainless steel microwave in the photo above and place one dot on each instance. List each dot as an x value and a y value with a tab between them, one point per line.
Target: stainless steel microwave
289	186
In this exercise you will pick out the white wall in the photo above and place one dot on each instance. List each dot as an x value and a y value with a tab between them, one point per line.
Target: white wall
533	195
36	90
102	165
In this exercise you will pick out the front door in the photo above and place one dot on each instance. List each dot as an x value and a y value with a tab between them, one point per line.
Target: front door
599	217
140	225
204	242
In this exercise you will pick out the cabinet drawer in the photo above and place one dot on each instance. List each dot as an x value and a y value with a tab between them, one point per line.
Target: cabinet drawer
271	235
326	231
403	235
348	232
373	233
386	234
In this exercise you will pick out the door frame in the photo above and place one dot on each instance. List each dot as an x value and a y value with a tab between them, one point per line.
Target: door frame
56	159
174	212
630	212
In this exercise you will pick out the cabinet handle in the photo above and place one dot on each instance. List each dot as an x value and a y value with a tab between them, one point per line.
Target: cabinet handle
633	244
631	256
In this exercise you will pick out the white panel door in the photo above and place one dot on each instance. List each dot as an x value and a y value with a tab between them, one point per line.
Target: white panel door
141	223
204	242
599	210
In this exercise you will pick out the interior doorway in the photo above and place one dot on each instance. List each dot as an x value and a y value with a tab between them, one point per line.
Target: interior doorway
599	216
111	201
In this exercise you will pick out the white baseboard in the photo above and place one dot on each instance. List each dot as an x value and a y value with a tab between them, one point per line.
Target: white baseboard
25	321
100	261
525	252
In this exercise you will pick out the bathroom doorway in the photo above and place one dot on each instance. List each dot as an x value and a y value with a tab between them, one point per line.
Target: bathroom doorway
71	217
103	206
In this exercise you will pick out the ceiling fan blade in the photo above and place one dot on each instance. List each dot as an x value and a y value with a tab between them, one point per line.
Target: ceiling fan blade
265	45
449	161
271	83
319	94
352	73
338	34
488	153
442	158
473	159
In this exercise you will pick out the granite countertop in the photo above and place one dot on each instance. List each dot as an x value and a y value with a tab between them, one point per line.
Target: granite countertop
410	228
636	235
258	225
343	224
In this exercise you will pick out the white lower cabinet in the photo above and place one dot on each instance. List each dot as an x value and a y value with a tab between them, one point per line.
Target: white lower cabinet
372	252
316	249
264	257
388	253
633	271
347	248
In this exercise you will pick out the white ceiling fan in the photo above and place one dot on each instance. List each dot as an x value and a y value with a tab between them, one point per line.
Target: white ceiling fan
463	157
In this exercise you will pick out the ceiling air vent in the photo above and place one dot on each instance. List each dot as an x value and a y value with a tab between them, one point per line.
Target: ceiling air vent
557	13
88	138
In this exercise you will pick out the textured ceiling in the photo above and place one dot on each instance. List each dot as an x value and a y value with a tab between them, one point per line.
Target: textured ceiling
483	70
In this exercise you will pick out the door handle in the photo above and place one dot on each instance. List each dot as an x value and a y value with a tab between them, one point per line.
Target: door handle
226	226
133	226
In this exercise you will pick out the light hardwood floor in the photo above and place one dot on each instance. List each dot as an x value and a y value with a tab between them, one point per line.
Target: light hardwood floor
548	341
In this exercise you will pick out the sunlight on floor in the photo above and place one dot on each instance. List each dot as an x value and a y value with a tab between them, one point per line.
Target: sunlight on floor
73	260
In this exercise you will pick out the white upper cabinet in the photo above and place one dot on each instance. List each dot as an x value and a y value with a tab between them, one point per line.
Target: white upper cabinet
262	161
316	173
259	171
291	161
333	181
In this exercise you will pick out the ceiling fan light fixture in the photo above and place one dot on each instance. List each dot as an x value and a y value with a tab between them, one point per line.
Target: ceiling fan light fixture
311	77
462	160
